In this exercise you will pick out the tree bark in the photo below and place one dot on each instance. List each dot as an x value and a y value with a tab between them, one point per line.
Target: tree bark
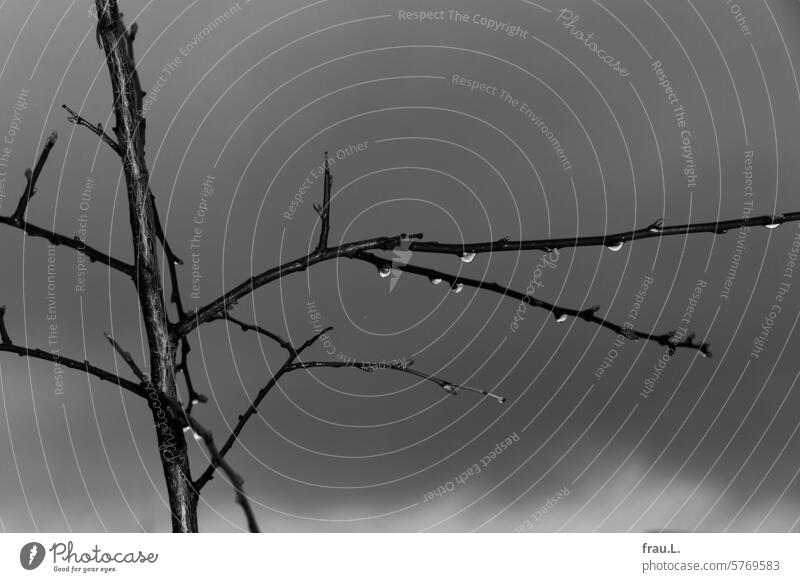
117	43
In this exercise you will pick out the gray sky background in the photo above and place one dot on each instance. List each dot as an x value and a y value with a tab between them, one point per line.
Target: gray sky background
256	101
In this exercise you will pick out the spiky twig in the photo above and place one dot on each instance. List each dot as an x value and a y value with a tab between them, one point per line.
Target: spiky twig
655	230
587	314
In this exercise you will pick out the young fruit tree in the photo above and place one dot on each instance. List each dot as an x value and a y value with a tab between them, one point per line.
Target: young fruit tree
164	381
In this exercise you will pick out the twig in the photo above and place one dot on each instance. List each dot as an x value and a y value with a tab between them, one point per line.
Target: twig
258	329
32	178
447	386
349	250
4	337
236	480
128	358
324	211
456	282
96	129
171	256
133	387
655	230
17	219
221	305
74	243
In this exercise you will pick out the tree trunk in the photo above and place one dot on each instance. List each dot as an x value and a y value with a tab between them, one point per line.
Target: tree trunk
117	44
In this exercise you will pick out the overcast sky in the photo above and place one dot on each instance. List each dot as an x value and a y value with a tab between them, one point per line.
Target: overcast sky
510	118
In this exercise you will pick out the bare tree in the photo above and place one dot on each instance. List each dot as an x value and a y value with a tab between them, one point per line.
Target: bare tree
168	328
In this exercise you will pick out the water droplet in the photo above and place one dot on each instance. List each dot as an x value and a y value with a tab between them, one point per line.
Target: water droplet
501	400
777	220
195	401
467	257
198	438
449	388
616	246
458	288
436	281
560	317
385	271
187	428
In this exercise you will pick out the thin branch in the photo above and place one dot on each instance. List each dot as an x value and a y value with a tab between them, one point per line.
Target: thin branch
77	119
17	219
4	337
221	305
33	177
324	211
74	243
655	230
257	328
171	256
128	358
98	130
194	397
8	346
447	386
669	340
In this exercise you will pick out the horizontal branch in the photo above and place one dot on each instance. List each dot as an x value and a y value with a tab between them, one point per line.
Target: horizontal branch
244	326
17	219
448	387
75	243
217	308
456	283
6	345
614	241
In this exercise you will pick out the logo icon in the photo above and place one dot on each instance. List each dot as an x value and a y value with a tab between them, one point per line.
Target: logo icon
31	555
401	258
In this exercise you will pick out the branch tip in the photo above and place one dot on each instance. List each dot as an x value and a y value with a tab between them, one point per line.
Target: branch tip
4	337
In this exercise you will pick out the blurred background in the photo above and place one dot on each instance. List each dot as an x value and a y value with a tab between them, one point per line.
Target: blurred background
510	118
